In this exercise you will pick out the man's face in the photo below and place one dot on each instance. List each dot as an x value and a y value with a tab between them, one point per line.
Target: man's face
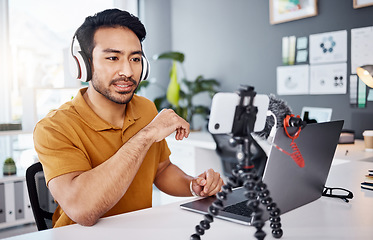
117	64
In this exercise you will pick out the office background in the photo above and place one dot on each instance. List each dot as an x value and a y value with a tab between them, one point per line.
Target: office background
235	43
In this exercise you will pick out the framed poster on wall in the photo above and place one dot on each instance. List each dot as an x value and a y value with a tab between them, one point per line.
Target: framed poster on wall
289	10
362	3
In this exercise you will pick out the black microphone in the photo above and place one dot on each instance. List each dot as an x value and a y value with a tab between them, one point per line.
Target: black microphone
296	122
280	109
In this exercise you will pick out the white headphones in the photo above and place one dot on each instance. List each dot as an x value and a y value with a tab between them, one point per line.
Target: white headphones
82	69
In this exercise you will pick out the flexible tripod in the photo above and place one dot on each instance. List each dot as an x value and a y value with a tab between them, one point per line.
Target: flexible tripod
256	191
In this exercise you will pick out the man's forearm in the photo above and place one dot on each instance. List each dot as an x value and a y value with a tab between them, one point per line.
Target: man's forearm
173	181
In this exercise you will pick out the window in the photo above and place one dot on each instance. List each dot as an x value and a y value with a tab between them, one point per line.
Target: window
35	39
40	34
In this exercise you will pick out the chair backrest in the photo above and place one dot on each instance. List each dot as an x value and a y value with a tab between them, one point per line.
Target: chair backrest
39	196
227	154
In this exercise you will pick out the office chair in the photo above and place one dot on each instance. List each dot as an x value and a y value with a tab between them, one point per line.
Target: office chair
39	196
227	154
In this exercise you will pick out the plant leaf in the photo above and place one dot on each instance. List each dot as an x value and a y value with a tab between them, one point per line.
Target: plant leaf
173	90
160	102
176	56
201	110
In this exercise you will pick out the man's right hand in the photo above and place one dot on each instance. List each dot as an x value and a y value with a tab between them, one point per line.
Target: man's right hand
167	122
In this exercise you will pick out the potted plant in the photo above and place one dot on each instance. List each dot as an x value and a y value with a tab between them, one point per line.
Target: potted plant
9	167
180	93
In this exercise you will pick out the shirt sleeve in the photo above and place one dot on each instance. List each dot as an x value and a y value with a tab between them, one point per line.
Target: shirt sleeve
165	151
57	153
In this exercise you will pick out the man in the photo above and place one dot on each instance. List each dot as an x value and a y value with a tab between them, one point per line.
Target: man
102	151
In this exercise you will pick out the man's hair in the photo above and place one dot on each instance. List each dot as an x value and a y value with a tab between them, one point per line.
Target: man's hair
107	18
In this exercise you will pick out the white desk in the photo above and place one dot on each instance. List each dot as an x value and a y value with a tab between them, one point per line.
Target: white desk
325	218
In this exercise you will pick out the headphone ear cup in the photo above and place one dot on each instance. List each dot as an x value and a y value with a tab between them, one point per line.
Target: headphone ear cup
84	67
145	68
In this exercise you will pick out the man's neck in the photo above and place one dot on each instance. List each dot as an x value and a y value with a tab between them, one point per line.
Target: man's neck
109	111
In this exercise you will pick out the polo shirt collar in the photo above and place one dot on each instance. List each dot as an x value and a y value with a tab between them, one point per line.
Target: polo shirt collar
97	123
131	114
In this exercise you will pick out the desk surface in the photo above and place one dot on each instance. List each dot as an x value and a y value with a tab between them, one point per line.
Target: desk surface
325	218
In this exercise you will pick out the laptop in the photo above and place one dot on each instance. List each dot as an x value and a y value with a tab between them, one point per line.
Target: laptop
290	186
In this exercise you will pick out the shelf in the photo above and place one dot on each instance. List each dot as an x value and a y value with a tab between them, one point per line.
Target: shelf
13	132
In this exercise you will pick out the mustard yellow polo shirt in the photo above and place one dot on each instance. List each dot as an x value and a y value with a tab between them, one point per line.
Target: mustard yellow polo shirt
73	138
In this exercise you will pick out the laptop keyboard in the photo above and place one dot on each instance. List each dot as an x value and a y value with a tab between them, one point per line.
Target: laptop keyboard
239	208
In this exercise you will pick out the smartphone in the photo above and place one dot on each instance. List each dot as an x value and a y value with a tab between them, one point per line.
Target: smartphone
223	108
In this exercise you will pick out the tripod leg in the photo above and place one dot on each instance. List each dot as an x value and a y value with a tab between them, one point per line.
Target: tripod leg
215	207
256	188
251	185
271	206
256	193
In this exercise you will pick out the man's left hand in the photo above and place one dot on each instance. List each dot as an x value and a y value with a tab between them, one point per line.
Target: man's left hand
208	183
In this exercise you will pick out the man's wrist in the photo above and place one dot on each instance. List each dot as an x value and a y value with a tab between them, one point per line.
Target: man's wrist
191	189
147	133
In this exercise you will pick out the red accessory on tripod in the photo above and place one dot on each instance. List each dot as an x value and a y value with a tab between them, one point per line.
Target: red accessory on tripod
295	155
